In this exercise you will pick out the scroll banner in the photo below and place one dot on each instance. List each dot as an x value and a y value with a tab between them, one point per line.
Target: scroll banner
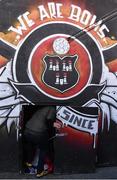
82	122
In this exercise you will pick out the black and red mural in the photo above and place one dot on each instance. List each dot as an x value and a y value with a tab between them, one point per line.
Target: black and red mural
63	53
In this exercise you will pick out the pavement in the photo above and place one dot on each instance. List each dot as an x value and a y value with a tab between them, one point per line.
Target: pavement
101	173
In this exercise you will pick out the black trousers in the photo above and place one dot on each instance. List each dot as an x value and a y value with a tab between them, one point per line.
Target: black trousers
32	141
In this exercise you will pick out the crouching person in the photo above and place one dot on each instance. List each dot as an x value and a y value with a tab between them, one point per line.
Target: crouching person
37	135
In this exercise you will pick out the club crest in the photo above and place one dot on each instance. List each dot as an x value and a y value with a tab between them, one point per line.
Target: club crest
60	73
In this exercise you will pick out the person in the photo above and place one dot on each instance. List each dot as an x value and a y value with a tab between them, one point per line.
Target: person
37	135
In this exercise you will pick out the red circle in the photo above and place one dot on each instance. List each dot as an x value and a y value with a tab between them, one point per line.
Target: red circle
82	65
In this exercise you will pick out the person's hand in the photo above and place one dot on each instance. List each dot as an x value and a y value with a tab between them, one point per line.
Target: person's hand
57	125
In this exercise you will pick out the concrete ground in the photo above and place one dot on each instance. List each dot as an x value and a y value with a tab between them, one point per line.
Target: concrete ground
101	173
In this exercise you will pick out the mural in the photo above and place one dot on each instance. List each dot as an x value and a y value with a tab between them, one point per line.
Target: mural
58	52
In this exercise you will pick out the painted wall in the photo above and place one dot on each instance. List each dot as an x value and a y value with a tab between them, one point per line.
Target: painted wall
59	52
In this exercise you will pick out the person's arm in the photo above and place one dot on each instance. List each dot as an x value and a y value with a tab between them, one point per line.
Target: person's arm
52	118
52	114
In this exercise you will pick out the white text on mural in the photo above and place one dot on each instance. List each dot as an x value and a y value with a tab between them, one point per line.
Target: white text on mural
78	121
55	11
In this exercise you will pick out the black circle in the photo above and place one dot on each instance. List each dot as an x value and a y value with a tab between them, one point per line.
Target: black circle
46	30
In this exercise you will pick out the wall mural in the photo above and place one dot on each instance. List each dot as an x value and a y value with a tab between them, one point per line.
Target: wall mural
58	52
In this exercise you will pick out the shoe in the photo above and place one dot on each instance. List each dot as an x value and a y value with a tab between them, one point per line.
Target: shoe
28	164
30	169
42	173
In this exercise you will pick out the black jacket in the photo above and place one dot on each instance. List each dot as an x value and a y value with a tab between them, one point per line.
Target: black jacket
42	120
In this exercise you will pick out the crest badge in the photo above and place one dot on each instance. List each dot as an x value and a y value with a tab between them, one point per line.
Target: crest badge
58	72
